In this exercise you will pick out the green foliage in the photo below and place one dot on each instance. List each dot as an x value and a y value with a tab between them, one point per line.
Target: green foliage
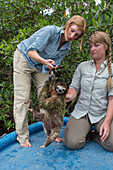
20	19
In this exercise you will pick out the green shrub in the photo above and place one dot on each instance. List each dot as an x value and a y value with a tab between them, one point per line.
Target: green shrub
20	19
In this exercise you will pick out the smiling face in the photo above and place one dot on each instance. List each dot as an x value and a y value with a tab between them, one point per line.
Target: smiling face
98	51
73	33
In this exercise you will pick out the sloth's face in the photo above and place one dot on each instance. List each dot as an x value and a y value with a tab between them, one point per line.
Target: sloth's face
60	89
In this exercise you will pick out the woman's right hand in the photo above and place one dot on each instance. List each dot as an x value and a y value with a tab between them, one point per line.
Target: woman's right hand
71	94
68	97
49	64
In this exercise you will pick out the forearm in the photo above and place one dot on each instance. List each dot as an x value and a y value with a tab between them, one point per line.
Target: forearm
105	127
35	56
109	115
48	62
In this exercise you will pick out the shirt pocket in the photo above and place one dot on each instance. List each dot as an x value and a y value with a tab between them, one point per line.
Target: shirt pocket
87	82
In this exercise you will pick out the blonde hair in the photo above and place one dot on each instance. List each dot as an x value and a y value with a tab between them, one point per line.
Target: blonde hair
103	38
80	23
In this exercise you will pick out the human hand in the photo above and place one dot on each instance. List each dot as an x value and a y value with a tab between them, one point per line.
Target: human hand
104	131
71	94
56	67
68	97
49	64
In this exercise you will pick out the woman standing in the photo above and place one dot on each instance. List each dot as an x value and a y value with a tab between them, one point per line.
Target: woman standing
32	58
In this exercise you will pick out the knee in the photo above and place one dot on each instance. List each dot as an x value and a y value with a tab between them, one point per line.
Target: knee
22	95
74	143
108	145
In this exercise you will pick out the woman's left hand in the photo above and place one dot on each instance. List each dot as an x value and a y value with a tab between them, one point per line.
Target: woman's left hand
104	130
56	67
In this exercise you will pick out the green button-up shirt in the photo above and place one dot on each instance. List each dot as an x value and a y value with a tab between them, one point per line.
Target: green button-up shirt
93	99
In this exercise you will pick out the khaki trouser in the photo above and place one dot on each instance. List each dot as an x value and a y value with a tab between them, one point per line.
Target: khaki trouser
78	132
22	76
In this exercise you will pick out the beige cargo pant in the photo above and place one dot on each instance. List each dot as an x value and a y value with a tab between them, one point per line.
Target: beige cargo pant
22	76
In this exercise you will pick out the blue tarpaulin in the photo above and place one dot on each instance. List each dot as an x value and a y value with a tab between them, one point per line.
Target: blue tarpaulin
54	157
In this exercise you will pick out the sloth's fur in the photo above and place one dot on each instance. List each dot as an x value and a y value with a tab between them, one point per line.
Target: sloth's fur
52	100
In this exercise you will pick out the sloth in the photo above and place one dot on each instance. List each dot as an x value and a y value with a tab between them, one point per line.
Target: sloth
52	101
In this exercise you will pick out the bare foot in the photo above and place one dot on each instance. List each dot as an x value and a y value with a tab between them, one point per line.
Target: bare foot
27	144
42	146
58	139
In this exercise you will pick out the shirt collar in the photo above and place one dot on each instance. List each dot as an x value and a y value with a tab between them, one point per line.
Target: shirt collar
105	63
62	30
